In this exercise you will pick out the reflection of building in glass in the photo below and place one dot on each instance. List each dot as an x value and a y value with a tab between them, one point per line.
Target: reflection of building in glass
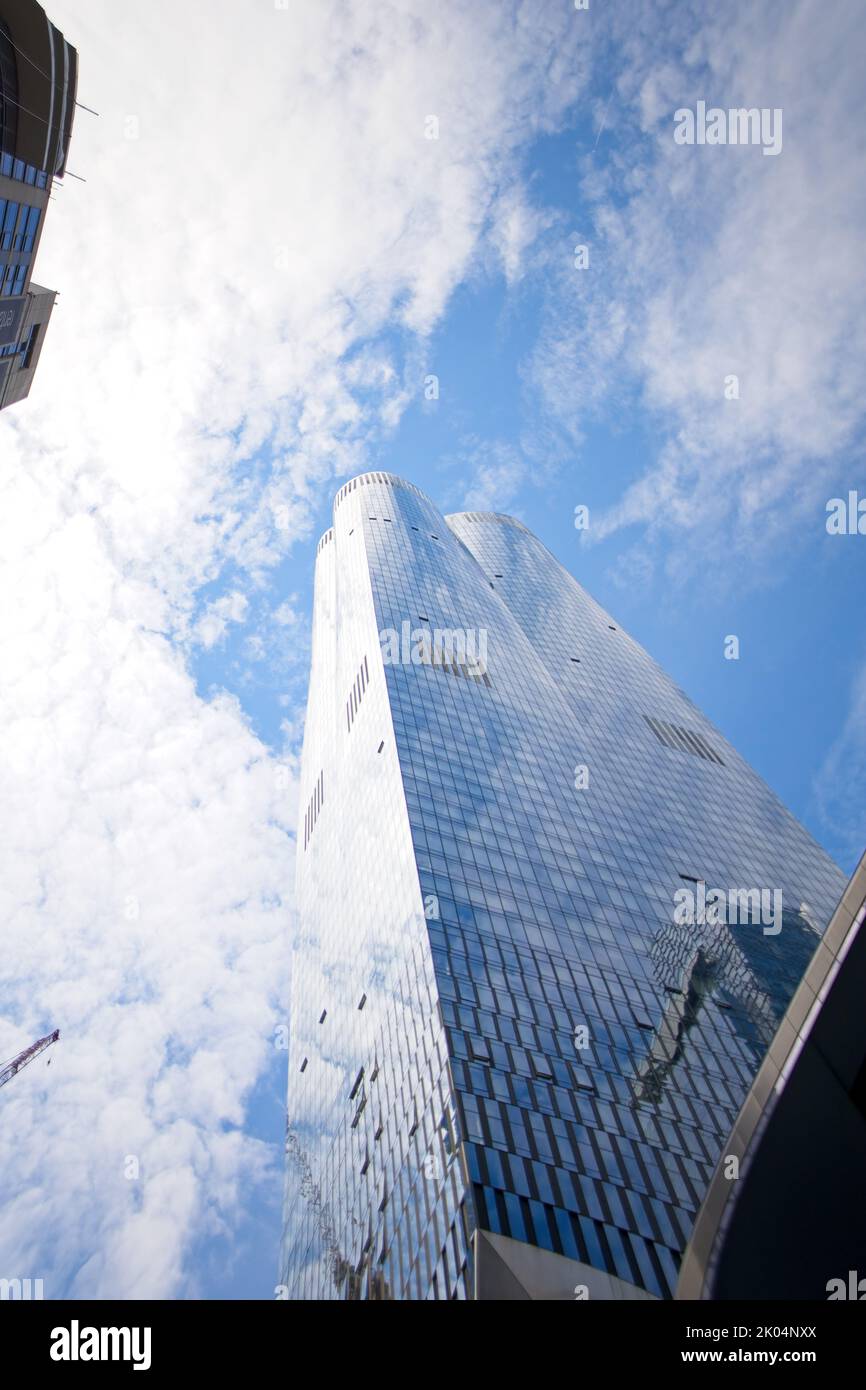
510	1074
799	1143
746	971
38	80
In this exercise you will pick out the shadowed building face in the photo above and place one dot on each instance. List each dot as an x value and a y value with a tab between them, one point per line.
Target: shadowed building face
799	1145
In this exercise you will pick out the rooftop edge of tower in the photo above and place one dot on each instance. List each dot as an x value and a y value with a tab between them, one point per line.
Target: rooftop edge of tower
395	481
389	479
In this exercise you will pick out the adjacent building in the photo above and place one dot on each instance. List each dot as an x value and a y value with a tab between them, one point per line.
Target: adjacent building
549	921
38	82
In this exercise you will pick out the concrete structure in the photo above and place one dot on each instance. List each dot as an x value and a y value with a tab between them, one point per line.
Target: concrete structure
38	82
19	360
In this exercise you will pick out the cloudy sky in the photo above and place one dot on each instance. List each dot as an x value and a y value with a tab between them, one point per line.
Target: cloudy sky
269	256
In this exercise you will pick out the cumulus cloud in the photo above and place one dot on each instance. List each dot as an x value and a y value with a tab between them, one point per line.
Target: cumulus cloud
261	204
213	624
145	904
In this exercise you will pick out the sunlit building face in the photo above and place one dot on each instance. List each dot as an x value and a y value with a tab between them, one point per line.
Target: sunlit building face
548	920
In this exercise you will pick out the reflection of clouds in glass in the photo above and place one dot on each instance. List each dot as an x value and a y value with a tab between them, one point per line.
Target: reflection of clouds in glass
362	942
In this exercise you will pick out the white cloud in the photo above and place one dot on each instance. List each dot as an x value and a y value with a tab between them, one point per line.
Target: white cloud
712	261
219	277
516	227
213	624
840	779
493	472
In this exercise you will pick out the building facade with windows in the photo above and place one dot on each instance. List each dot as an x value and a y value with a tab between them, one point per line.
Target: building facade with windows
548	921
38	81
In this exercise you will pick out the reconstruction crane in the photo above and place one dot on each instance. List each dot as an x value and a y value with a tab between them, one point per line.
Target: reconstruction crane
12	1068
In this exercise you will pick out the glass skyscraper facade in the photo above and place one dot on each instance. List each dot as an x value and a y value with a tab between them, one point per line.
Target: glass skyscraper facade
548	922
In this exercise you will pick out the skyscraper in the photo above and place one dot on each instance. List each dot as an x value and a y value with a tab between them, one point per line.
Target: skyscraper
548	921
38	80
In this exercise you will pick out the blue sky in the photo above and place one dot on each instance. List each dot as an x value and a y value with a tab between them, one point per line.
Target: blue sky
247	320
797	611
794	604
